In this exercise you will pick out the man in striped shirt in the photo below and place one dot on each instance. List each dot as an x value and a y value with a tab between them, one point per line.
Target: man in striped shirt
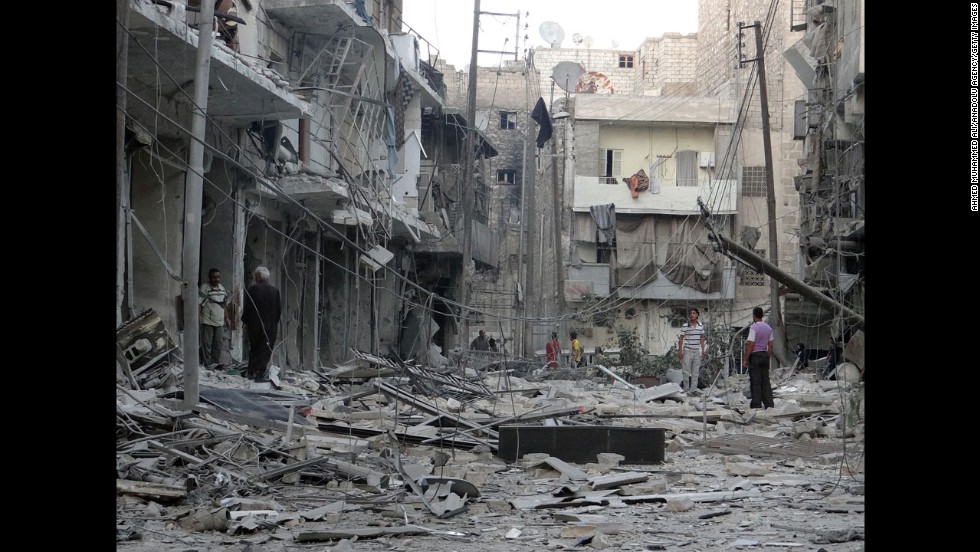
690	347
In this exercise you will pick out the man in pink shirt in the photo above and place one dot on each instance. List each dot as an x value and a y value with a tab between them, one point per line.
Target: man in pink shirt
758	351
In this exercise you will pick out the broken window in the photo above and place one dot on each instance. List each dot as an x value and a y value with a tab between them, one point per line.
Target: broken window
678	316
506	177
508	120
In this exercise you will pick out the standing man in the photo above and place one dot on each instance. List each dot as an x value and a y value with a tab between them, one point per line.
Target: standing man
690	348
576	350
758	351
214	317
261	318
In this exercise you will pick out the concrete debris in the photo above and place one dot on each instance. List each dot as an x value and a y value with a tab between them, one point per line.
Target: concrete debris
413	459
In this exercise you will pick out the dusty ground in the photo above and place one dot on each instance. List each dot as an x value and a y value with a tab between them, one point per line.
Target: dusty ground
809	502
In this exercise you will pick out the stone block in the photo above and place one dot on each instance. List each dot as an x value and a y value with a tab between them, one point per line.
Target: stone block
746	469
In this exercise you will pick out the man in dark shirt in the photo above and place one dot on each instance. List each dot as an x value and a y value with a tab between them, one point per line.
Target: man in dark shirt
261	318
480	342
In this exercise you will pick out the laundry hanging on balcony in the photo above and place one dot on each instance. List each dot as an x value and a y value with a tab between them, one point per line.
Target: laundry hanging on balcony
637	183
605	220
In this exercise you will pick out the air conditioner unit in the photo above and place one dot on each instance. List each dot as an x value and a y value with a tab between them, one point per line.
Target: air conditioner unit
706	159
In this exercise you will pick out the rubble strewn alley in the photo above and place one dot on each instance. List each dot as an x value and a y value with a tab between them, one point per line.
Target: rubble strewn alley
386	455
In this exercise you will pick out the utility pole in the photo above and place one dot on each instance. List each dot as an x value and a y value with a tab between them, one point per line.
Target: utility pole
469	154
530	299
749	258
779	330
556	205
122	180
193	194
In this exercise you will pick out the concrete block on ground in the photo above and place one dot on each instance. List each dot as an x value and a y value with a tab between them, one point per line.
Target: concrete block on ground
746	469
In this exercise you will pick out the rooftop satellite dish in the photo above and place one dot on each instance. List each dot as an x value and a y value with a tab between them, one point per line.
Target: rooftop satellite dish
566	74
587	42
552	33
615	44
576	39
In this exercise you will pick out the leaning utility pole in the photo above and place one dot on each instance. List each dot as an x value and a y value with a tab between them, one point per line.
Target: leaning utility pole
469	154
749	258
779	331
193	194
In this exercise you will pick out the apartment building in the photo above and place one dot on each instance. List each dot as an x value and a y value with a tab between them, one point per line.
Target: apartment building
319	115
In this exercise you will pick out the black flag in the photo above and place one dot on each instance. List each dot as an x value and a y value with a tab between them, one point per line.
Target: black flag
541	116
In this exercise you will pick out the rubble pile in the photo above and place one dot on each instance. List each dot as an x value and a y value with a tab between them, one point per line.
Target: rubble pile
404	456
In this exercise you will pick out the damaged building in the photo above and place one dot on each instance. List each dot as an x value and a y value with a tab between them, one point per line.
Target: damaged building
587	189
320	116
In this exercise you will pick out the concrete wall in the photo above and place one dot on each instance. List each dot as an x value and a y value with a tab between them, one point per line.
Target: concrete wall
157	199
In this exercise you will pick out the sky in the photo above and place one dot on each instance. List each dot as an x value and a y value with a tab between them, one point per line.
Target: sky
612	24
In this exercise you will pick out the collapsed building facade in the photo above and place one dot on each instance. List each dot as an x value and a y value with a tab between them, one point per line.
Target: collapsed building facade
319	114
336	156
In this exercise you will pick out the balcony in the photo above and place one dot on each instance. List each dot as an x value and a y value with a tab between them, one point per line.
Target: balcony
321	17
718	195
162	50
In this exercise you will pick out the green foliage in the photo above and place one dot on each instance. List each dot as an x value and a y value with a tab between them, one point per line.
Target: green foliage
716	342
634	358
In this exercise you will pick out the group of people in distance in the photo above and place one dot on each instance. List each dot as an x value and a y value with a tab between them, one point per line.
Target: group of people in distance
690	350
263	307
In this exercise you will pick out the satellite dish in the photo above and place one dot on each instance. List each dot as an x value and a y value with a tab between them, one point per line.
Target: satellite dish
615	44
587	42
552	33
576	39
566	75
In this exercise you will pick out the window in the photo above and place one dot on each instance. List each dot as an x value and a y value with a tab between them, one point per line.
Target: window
687	168
626	62
748	276
506	177
799	120
603	253
753	182
508	120
678	316
611	164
